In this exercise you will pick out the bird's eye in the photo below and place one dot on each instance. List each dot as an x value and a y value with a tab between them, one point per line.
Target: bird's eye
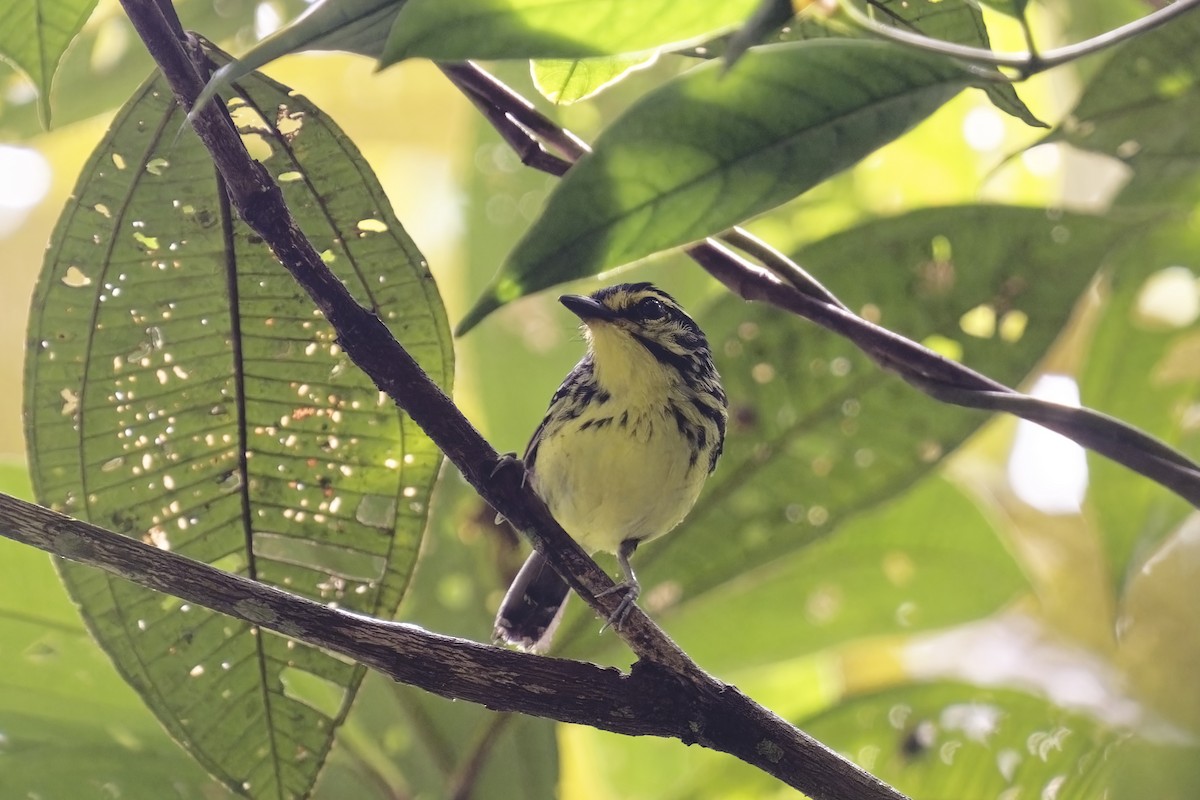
649	308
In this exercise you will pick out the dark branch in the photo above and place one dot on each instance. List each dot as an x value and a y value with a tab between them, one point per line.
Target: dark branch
649	701
784	284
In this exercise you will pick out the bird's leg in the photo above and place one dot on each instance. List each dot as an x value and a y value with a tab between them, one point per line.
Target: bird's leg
629	586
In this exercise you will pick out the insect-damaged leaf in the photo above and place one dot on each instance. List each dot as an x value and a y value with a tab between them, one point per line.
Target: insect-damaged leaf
183	390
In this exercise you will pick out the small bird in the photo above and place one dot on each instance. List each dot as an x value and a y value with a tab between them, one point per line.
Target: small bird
625	447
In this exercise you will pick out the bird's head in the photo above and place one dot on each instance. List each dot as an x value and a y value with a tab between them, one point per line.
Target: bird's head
640	336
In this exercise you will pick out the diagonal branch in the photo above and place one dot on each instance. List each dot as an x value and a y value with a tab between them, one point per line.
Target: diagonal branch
649	701
784	284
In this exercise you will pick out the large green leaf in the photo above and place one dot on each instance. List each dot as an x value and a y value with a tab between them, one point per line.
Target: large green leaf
182	389
554	28
819	432
710	149
34	34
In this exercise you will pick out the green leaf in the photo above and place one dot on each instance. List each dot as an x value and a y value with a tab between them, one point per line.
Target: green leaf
944	740
710	150
182	389
1141	367
1140	107
34	34
494	29
818	431
566	81
355	26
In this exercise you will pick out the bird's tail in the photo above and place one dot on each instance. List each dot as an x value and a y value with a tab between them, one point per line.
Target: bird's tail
533	606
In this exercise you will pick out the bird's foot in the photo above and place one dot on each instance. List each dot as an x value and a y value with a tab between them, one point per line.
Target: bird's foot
632	591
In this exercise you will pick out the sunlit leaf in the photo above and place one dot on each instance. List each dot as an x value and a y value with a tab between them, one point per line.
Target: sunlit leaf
555	28
710	150
819	432
354	26
566	81
182	389
34	34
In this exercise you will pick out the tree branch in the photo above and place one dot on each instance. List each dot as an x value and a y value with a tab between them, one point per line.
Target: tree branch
663	685
784	284
649	701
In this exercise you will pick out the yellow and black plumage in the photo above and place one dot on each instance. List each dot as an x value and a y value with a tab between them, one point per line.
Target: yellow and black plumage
625	446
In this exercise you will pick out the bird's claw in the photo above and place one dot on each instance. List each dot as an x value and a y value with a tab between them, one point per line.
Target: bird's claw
628	602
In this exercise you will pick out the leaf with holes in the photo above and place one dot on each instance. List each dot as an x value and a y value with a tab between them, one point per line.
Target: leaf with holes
712	149
818	431
183	390
555	28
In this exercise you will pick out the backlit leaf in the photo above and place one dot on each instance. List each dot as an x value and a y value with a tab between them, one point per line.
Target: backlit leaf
555	28
183	390
34	34
566	81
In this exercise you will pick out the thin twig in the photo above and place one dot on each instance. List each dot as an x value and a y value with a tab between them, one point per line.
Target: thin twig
784	284
1026	64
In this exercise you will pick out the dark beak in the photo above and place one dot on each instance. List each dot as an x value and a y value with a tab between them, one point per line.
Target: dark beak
586	308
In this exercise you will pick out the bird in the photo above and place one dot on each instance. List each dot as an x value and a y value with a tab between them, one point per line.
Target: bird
624	449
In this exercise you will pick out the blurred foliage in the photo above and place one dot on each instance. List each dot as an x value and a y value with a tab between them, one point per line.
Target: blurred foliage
859	563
